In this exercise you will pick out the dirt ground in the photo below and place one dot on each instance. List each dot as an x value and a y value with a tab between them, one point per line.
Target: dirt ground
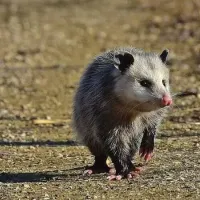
45	46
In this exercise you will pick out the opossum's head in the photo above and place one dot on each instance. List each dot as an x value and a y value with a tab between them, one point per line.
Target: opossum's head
143	82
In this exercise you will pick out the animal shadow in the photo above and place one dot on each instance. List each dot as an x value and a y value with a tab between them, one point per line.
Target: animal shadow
22	177
40	143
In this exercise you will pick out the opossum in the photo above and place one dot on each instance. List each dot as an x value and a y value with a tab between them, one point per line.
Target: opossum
120	102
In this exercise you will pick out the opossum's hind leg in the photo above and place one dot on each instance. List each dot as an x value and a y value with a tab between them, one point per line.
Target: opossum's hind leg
99	166
147	144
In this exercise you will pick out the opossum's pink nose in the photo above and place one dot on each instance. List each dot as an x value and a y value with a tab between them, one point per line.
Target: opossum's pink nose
166	100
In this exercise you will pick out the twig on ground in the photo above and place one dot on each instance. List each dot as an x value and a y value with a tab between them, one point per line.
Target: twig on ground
47	121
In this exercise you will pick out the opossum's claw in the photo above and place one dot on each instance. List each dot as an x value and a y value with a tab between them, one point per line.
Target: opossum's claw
112	171
132	175
87	172
143	152
96	169
135	172
137	169
114	177
148	156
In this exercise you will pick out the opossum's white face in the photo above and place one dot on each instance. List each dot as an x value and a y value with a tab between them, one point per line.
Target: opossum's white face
144	85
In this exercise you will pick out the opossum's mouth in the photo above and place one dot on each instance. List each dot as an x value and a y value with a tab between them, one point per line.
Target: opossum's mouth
138	106
149	106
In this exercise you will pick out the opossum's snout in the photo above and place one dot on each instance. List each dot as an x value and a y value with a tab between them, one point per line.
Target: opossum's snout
166	100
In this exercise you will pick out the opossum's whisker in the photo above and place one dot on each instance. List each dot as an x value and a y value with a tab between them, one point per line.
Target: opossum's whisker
139	104
172	95
175	94
176	106
153	95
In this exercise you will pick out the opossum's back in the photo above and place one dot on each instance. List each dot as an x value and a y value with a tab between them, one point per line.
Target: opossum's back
95	85
96	80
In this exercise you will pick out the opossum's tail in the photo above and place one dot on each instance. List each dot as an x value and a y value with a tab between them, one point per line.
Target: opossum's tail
185	94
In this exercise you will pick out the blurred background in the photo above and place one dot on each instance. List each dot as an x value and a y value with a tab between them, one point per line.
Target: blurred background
44	47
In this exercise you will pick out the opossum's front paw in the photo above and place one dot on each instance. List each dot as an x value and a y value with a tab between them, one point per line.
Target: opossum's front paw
146	153
95	169
114	177
147	146
132	174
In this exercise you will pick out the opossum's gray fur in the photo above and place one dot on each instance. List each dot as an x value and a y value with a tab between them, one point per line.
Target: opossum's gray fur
106	122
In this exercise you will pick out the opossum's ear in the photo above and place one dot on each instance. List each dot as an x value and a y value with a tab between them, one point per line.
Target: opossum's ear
163	55
124	61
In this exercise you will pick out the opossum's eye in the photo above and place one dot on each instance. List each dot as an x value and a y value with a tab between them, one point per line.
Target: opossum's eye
164	82
146	83
163	55
125	61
